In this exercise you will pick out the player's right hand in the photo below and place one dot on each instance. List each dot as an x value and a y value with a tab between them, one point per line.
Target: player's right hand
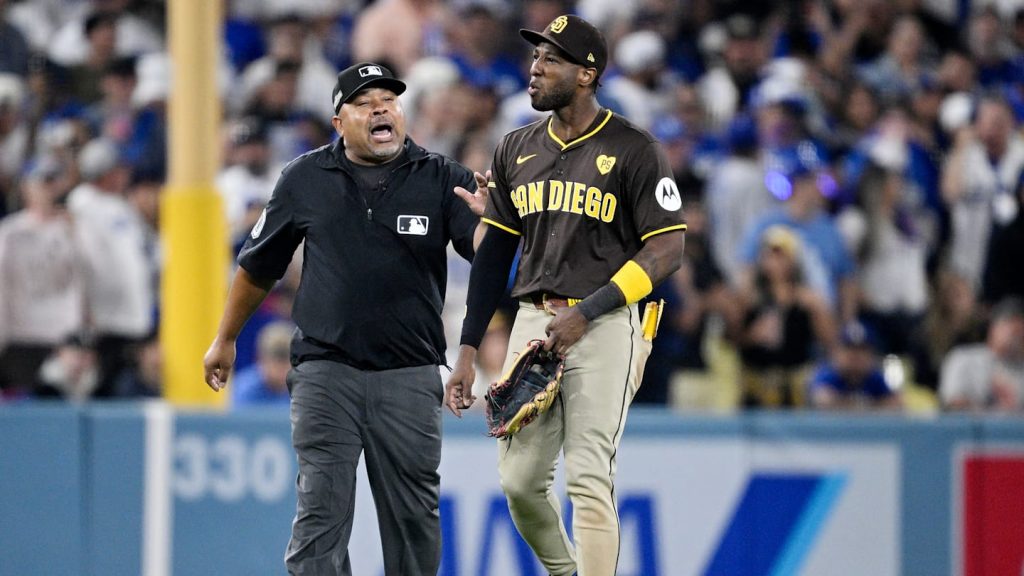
565	329
458	392
217	364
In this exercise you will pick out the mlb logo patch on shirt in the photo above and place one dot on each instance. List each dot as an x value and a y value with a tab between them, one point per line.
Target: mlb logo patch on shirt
415	225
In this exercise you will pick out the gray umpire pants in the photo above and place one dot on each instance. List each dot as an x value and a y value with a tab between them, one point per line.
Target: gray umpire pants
394	418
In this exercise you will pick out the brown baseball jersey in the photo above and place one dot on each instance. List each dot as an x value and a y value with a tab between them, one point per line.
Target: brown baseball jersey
583	207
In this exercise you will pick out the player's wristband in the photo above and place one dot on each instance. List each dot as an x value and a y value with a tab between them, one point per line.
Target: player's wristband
633	281
604	300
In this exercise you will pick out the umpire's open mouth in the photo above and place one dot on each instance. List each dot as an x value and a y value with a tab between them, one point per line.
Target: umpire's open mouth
382	132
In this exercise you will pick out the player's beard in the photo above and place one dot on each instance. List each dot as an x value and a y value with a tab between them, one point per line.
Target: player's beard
557	97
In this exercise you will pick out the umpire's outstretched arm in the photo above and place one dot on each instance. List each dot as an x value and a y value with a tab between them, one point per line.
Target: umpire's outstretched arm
244	297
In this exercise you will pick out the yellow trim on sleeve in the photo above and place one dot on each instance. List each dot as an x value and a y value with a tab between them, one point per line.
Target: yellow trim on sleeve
581	138
662	230
502	226
633	281
491	184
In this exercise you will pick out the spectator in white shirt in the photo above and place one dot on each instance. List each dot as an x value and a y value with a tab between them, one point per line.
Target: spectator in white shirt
641	87
988	375
248	180
978	182
42	283
134	35
121	299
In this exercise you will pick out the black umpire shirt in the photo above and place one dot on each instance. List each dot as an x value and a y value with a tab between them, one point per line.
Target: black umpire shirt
374	265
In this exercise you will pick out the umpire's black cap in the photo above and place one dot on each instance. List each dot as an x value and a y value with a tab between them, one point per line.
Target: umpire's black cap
579	39
363	75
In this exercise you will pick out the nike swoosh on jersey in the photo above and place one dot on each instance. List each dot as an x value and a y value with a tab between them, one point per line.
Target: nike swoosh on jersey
521	159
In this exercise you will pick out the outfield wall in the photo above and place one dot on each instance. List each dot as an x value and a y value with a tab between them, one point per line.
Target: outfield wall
112	489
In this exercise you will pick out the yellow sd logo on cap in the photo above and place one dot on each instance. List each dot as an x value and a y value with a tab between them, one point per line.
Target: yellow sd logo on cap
559	24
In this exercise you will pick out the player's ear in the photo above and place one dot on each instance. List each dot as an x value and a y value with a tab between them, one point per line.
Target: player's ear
587	76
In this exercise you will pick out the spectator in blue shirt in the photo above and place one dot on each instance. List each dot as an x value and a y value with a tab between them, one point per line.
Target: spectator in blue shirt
799	177
852	378
264	383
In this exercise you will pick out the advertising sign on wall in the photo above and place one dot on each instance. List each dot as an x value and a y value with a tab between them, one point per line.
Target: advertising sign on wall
710	507
989	512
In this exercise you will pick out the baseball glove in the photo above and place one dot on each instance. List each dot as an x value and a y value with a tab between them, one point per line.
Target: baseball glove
526	391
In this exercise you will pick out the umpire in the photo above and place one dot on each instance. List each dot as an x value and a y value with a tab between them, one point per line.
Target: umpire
376	213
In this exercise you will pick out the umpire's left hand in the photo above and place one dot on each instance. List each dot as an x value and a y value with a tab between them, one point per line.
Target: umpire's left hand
477	201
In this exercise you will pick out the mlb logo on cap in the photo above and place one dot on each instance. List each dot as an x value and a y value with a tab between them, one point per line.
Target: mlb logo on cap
370	71
362	76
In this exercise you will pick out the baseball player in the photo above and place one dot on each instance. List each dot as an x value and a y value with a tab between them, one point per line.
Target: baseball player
593	201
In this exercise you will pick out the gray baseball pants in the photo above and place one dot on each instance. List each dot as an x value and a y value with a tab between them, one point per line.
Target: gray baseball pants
393	417
602	373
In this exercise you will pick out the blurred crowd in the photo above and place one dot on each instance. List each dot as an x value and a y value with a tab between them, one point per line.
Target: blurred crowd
853	175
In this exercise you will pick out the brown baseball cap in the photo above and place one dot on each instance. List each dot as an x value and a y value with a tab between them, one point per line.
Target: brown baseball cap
579	39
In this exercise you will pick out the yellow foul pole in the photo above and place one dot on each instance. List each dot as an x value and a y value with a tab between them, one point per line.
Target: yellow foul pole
193	228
